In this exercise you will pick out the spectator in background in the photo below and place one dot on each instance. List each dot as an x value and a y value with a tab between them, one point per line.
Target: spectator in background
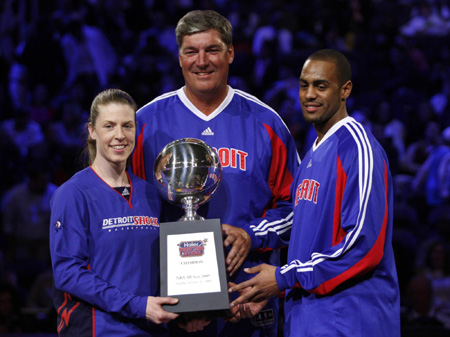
162	31
41	54
41	292
426	182
265	67
420	310
440	101
87	52
68	132
10	318
8	30
41	109
39	303
393	128
24	132
275	32
26	215
417	151
12	163
444	178
18	88
427	18
437	269
65	138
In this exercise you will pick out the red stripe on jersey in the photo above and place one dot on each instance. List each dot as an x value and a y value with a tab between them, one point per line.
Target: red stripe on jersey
93	322
93	309
64	314
66	299
341	179
368	262
280	179
138	165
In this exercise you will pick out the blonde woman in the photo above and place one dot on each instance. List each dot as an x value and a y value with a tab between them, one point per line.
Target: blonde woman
104	235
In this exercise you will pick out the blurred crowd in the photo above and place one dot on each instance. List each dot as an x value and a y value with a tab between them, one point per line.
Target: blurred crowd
56	55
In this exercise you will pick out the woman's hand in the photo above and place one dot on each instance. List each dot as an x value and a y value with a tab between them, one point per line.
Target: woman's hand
154	311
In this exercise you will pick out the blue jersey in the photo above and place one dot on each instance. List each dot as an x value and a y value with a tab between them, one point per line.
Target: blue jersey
340	277
105	257
257	153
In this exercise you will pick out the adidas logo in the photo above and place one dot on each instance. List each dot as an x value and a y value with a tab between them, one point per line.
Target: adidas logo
309	164
207	132
125	192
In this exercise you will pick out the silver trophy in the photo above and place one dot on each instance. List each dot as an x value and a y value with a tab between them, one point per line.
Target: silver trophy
187	173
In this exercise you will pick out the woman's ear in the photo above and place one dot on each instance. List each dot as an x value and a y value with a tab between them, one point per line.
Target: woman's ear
91	131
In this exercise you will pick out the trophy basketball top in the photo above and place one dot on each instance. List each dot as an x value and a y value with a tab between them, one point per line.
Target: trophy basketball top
187	171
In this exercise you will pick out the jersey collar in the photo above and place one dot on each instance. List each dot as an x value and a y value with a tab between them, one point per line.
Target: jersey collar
182	95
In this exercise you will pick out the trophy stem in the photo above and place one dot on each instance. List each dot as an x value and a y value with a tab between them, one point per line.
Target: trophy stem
190	206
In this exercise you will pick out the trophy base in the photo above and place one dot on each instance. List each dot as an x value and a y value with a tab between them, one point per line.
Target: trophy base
192	262
196	217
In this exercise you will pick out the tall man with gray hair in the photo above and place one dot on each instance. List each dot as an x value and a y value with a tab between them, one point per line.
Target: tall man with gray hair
256	149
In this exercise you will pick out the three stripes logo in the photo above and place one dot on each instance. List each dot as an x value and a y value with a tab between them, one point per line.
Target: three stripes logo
207	132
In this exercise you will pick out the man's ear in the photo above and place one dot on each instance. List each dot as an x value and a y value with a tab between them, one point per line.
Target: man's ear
230	52
346	90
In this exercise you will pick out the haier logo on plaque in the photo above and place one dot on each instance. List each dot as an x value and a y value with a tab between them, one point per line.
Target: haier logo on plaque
192	248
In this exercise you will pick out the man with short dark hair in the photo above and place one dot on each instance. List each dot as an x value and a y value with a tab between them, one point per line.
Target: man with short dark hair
340	278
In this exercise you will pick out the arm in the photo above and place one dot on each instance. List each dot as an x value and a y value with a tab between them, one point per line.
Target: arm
362	217
272	230
364	211
363	208
71	262
278	215
267	233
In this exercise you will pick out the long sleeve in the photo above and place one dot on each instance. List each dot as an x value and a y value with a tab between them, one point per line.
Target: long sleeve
272	230
342	213
71	258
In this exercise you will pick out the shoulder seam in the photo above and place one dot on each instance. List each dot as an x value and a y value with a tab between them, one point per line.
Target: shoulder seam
256	100
159	98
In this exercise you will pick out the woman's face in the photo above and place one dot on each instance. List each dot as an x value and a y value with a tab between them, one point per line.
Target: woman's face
114	133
